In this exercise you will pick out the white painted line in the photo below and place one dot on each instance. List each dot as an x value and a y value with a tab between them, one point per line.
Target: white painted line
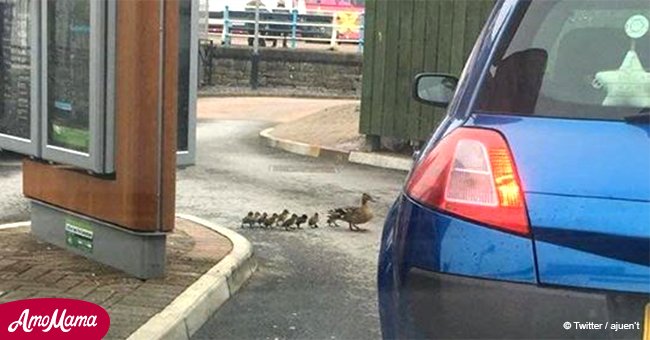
15	225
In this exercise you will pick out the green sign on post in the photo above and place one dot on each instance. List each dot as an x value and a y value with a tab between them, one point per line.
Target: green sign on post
79	235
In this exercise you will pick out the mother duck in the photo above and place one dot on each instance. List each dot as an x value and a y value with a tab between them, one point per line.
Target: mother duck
353	215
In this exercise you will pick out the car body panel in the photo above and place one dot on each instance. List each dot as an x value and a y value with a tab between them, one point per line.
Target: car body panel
448	244
444	306
587	158
566	266
587	192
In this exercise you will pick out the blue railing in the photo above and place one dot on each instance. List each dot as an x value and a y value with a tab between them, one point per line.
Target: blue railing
288	26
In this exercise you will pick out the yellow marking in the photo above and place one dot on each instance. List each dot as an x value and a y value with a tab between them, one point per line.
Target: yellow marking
347	22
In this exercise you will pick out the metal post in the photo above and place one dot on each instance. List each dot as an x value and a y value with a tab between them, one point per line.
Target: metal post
225	34
210	59
362	32
334	32
255	58
256	42
294	23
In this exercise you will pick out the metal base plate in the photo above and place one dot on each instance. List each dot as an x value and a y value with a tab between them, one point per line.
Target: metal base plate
136	253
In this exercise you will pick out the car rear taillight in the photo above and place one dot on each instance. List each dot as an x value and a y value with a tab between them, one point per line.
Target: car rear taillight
471	174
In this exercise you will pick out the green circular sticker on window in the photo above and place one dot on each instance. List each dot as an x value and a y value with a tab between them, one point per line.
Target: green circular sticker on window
637	26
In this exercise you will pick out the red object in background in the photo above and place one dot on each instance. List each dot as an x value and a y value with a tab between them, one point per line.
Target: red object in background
53	318
349	15
332	6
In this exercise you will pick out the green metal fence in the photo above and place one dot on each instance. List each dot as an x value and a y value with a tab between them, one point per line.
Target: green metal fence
406	37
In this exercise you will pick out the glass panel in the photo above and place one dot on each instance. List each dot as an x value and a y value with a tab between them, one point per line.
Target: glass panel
185	36
15	68
68	75
574	59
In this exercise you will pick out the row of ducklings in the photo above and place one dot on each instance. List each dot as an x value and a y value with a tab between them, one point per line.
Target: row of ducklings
283	220
354	216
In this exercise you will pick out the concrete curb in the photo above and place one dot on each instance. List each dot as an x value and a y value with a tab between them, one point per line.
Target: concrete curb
367	158
187	313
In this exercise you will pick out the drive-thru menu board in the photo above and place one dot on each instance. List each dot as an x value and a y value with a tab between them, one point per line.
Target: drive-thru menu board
17	86
57	81
78	47
68	76
187	80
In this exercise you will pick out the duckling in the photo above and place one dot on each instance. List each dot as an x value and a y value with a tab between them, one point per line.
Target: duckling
302	219
256	217
247	220
332	217
282	217
260	220
290	222
268	223
313	221
354	215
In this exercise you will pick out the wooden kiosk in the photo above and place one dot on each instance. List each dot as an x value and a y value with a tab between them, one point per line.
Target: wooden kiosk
101	178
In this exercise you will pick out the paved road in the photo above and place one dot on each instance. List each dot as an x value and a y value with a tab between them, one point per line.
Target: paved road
313	284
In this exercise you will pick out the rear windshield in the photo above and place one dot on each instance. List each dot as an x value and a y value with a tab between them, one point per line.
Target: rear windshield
576	59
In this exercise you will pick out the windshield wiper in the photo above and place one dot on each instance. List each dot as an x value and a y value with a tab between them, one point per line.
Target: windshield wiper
642	117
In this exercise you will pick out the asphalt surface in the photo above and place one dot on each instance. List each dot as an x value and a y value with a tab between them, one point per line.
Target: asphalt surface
311	284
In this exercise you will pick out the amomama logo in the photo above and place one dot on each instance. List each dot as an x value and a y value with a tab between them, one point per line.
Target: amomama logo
53	319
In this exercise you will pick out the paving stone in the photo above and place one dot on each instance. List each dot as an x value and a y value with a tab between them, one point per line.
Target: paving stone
19	267
147	296
34	272
7	276
9	285
17	295
30	268
126	319
98	296
52	277
44	290
68	282
82	289
4	263
112	300
125	287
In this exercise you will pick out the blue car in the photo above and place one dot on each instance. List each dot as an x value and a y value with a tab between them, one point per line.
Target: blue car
527	213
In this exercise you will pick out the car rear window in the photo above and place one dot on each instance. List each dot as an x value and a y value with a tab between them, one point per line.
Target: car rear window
575	59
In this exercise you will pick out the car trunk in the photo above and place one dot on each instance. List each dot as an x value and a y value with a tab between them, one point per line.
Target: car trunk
587	189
